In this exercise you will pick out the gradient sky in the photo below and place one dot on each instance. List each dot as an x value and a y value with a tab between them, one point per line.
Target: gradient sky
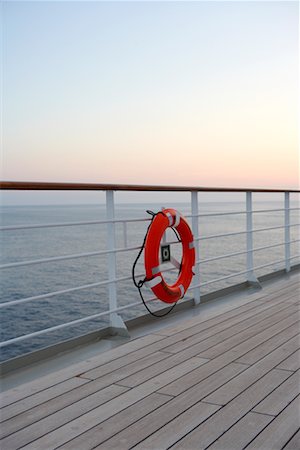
188	93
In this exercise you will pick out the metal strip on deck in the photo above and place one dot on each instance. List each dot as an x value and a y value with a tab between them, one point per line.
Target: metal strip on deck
227	381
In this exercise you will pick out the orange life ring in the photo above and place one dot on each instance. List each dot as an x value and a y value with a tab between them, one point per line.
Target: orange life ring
154	278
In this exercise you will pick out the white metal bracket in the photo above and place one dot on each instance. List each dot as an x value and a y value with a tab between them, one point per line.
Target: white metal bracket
175	263
253	281
117	326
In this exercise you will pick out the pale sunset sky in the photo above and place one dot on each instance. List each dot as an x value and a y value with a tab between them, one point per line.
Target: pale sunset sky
185	93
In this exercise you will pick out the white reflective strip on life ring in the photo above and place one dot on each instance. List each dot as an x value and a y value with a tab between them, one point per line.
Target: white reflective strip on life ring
181	290
170	217
177	219
192	245
154	282
156	270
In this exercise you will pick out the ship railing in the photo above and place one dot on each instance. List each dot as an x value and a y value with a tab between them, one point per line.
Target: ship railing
116	322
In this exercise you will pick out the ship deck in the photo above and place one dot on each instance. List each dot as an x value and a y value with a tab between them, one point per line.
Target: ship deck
228	380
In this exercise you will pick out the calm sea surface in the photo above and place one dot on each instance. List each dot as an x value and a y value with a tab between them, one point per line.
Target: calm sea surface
28	281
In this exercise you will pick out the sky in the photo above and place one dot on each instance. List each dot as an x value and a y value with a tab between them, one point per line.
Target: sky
174	93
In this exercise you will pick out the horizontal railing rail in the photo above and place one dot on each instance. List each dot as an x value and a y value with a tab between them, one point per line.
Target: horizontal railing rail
45	186
125	249
112	250
243	272
69	224
229	255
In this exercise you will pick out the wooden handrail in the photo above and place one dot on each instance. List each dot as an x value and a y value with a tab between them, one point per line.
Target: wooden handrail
45	186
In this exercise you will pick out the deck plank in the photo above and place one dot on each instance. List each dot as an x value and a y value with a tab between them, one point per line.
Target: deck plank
130	381
294	443
281	397
285	318
140	430
53	434
243	432
230	355
146	374
225	418
32	387
52	392
228	327
177	428
142	376
234	387
265	297
175	339
58	411
268	346
291	363
207	329
280	431
105	430
128	369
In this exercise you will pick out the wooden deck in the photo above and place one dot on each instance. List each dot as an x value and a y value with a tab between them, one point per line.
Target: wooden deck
227	382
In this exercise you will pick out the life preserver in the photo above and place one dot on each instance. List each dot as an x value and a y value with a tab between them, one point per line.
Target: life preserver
154	278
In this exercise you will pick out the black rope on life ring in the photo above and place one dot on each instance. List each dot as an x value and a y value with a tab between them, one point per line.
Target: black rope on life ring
140	283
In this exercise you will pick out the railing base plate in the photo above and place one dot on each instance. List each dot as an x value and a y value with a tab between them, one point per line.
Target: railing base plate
254	283
117	326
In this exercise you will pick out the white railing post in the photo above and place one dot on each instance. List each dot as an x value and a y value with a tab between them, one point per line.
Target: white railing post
287	234
251	278
164	237
195	229
116	322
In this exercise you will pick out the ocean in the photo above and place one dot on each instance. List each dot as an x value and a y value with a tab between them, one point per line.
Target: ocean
28	244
